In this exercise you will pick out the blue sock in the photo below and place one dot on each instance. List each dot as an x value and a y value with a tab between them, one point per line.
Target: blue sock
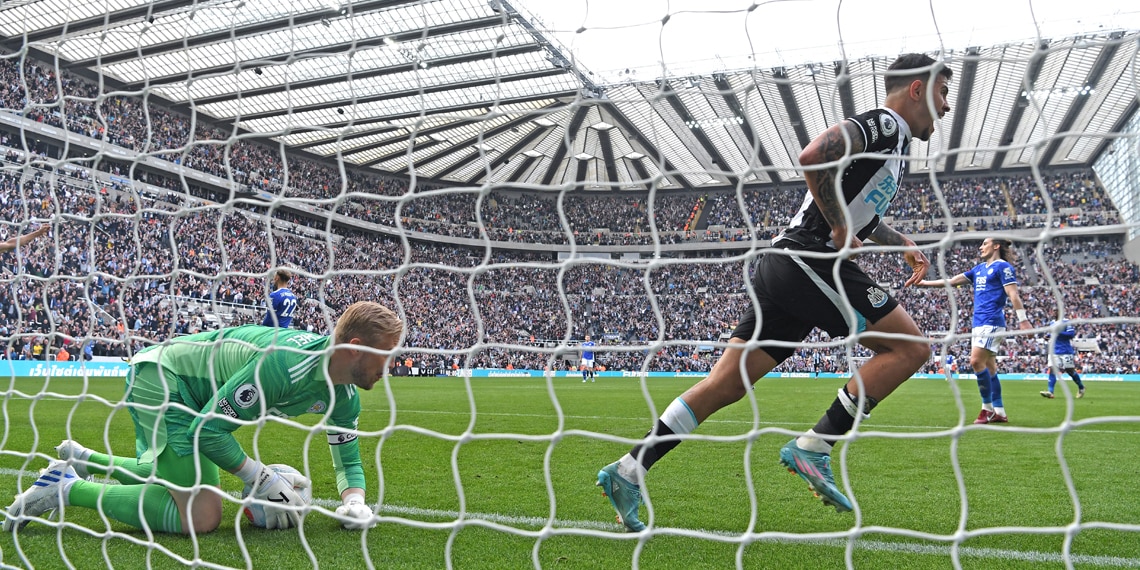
984	385
1052	381
1077	379
995	391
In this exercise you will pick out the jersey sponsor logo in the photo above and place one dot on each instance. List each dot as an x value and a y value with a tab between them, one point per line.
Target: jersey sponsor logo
317	407
873	130
888	124
341	438
246	395
1008	273
980	283
882	194
877	297
226	408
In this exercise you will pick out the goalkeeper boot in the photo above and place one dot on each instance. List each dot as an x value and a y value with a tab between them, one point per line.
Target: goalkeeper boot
984	417
1047	394
997	418
815	468
75	455
47	494
623	495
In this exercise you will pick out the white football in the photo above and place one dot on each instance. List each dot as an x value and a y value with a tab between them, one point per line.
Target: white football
256	512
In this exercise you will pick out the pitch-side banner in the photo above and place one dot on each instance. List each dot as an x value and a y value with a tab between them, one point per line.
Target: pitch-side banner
42	369
116	367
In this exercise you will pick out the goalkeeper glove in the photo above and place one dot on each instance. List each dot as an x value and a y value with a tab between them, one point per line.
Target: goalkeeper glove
356	514
277	489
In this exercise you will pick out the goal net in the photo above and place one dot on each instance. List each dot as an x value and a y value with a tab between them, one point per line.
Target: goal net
527	213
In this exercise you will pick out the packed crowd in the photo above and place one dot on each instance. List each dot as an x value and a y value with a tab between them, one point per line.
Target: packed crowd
122	270
40	92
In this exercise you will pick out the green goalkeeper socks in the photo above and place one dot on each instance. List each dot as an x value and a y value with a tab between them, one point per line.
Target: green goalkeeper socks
141	506
126	469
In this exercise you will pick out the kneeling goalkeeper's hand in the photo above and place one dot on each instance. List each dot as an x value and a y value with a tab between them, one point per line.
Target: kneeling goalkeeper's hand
356	514
278	489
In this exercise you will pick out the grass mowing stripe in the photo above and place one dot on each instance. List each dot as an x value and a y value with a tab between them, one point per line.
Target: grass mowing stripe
861	544
913	479
867	427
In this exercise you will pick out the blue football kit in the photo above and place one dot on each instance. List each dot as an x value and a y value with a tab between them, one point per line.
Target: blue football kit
282	305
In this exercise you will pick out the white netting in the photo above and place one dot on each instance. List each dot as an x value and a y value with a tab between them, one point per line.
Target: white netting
542	208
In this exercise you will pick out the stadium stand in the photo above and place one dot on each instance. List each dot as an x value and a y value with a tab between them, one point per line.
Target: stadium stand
144	256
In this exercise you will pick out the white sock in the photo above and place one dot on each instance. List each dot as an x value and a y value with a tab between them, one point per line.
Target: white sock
811	441
999	411
65	491
679	417
680	420
988	407
630	469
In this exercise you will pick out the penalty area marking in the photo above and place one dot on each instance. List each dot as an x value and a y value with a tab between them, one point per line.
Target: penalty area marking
861	544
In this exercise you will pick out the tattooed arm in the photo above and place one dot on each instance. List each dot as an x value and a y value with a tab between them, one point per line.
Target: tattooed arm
826	191
919	264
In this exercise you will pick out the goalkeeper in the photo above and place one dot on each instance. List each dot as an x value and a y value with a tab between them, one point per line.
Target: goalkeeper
186	397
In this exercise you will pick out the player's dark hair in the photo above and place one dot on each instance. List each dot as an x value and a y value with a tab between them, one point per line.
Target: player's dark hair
1005	249
283	275
924	68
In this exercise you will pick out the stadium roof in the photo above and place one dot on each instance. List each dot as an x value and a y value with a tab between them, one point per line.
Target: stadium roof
395	84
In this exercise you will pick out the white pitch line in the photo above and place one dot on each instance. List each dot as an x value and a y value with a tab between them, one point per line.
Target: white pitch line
707	421
860	544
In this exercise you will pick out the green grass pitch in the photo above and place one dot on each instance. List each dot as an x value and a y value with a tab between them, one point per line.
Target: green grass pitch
499	473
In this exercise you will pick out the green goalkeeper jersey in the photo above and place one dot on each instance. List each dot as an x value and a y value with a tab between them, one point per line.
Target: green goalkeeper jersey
245	373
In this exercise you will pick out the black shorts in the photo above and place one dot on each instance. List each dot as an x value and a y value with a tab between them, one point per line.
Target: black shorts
798	293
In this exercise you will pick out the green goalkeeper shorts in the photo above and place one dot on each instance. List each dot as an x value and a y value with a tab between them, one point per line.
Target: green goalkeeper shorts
162	428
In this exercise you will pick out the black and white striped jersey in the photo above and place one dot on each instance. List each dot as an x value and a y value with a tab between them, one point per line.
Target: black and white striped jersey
869	184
